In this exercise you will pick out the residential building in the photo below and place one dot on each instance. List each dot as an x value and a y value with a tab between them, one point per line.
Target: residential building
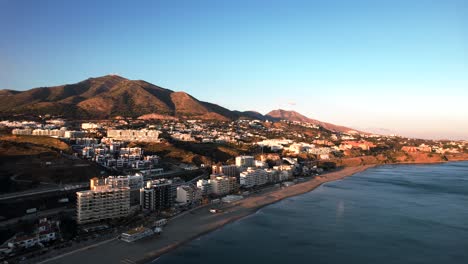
102	202
222	185
49	132
46	231
133	135
135	182
228	170
156	195
245	161
188	194
285	172
25	131
90	126
253	177
205	186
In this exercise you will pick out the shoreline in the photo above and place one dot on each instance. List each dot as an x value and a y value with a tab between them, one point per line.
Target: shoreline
342	174
200	222
193	225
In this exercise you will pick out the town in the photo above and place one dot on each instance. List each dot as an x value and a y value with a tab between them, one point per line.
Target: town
147	171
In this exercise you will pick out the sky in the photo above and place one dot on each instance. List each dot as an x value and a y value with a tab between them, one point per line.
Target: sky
395	66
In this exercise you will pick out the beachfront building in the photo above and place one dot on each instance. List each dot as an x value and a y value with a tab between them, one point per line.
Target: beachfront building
245	161
102	202
253	177
272	175
222	185
205	186
46	231
136	234
134	182
285	172
133	135
228	170
188	194
156	195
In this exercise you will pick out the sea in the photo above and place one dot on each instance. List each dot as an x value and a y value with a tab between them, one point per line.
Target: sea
387	214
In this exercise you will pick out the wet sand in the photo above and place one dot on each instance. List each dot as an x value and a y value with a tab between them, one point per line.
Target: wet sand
191	225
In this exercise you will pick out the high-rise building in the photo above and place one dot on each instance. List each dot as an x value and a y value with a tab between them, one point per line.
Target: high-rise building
253	177
132	181
102	202
222	185
205	186
156	195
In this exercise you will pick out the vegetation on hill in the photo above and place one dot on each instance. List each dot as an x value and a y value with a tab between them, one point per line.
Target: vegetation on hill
13	145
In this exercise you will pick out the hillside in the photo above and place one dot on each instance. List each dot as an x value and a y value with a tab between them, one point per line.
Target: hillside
106	97
112	95
281	114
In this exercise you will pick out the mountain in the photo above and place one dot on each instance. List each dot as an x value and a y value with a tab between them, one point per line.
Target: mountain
112	95
109	96
281	114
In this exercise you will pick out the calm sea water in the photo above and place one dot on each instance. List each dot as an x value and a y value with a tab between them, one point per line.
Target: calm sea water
389	214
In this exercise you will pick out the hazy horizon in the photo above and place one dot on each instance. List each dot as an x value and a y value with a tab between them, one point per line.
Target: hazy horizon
393	65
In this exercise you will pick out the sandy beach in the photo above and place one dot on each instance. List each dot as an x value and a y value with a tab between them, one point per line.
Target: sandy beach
191	225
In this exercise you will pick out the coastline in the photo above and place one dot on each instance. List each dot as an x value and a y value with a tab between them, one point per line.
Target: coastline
256	203
190	226
199	222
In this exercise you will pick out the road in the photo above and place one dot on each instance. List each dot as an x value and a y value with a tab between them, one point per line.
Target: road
39	214
33	192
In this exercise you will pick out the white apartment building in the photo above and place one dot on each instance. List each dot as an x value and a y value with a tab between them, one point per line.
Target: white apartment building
188	194
135	182
25	131
89	126
133	135
253	177
222	185
131	151
285	172
102	202
245	161
205	186
49	132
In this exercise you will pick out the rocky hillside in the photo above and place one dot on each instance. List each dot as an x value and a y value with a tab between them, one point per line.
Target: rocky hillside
281	114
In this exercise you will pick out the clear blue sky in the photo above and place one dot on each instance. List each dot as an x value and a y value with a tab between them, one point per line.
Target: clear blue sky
400	65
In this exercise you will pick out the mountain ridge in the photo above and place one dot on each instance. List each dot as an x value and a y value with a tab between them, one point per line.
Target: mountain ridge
290	115
112	95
